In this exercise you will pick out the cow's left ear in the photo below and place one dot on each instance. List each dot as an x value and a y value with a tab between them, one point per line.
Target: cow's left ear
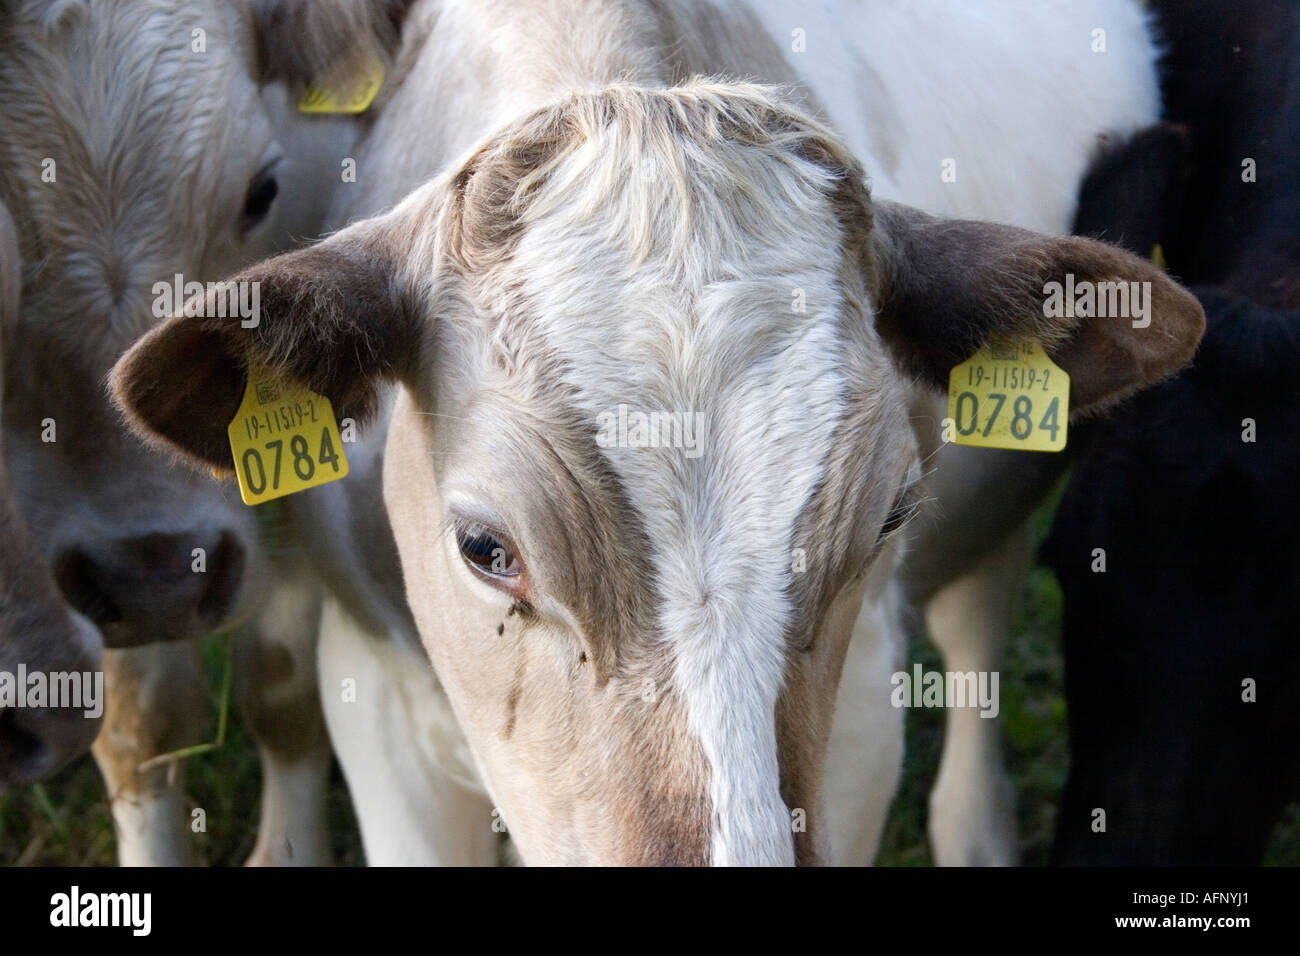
325	42
335	317
943	288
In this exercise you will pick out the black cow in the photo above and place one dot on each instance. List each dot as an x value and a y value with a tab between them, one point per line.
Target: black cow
1198	608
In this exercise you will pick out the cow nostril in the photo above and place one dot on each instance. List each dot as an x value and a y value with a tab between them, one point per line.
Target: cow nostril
82	583
154	587
23	755
225	571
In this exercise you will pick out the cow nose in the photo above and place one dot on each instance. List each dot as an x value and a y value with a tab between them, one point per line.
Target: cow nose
25	754
35	741
155	587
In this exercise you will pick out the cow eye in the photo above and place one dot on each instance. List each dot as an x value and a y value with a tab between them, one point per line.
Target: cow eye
900	514
486	552
261	193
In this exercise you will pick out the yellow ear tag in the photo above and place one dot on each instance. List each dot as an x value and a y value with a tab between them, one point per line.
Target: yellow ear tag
355	99
1158	256
284	439
1010	396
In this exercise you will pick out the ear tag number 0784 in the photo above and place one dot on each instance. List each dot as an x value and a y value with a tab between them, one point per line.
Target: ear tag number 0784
1011	396
284	439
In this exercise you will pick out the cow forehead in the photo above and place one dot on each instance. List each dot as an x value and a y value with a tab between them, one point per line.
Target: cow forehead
684	262
152	143
695	395
122	91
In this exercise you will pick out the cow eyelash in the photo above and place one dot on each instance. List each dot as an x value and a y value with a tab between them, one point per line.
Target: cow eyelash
906	507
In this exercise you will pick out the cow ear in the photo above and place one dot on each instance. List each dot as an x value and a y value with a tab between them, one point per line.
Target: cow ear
943	288
334	317
326	42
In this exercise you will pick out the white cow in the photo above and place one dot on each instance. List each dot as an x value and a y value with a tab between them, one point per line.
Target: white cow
139	142
640	675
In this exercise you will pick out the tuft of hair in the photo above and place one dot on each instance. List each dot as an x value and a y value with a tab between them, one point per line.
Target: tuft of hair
672	162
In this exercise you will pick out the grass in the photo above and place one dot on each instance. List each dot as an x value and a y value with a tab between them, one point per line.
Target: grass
66	822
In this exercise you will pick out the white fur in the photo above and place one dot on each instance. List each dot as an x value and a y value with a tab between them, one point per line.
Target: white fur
148	830
972	803
864	759
409	772
1010	89
293	829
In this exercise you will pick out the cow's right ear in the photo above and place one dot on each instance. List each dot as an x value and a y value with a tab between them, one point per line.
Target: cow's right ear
334	317
325	42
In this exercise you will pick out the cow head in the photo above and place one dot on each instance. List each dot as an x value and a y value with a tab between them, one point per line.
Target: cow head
653	446
137	147
38	632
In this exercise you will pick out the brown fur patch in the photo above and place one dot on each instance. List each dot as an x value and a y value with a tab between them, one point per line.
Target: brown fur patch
152	708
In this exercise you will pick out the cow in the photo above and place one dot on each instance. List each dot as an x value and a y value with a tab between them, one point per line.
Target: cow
1180	650
147	145
38	631
640	673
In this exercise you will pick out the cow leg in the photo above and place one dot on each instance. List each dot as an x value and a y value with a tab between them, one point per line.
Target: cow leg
972	803
865	753
279	695
406	761
156	698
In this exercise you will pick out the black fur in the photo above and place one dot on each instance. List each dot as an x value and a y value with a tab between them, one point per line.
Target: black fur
1202	583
